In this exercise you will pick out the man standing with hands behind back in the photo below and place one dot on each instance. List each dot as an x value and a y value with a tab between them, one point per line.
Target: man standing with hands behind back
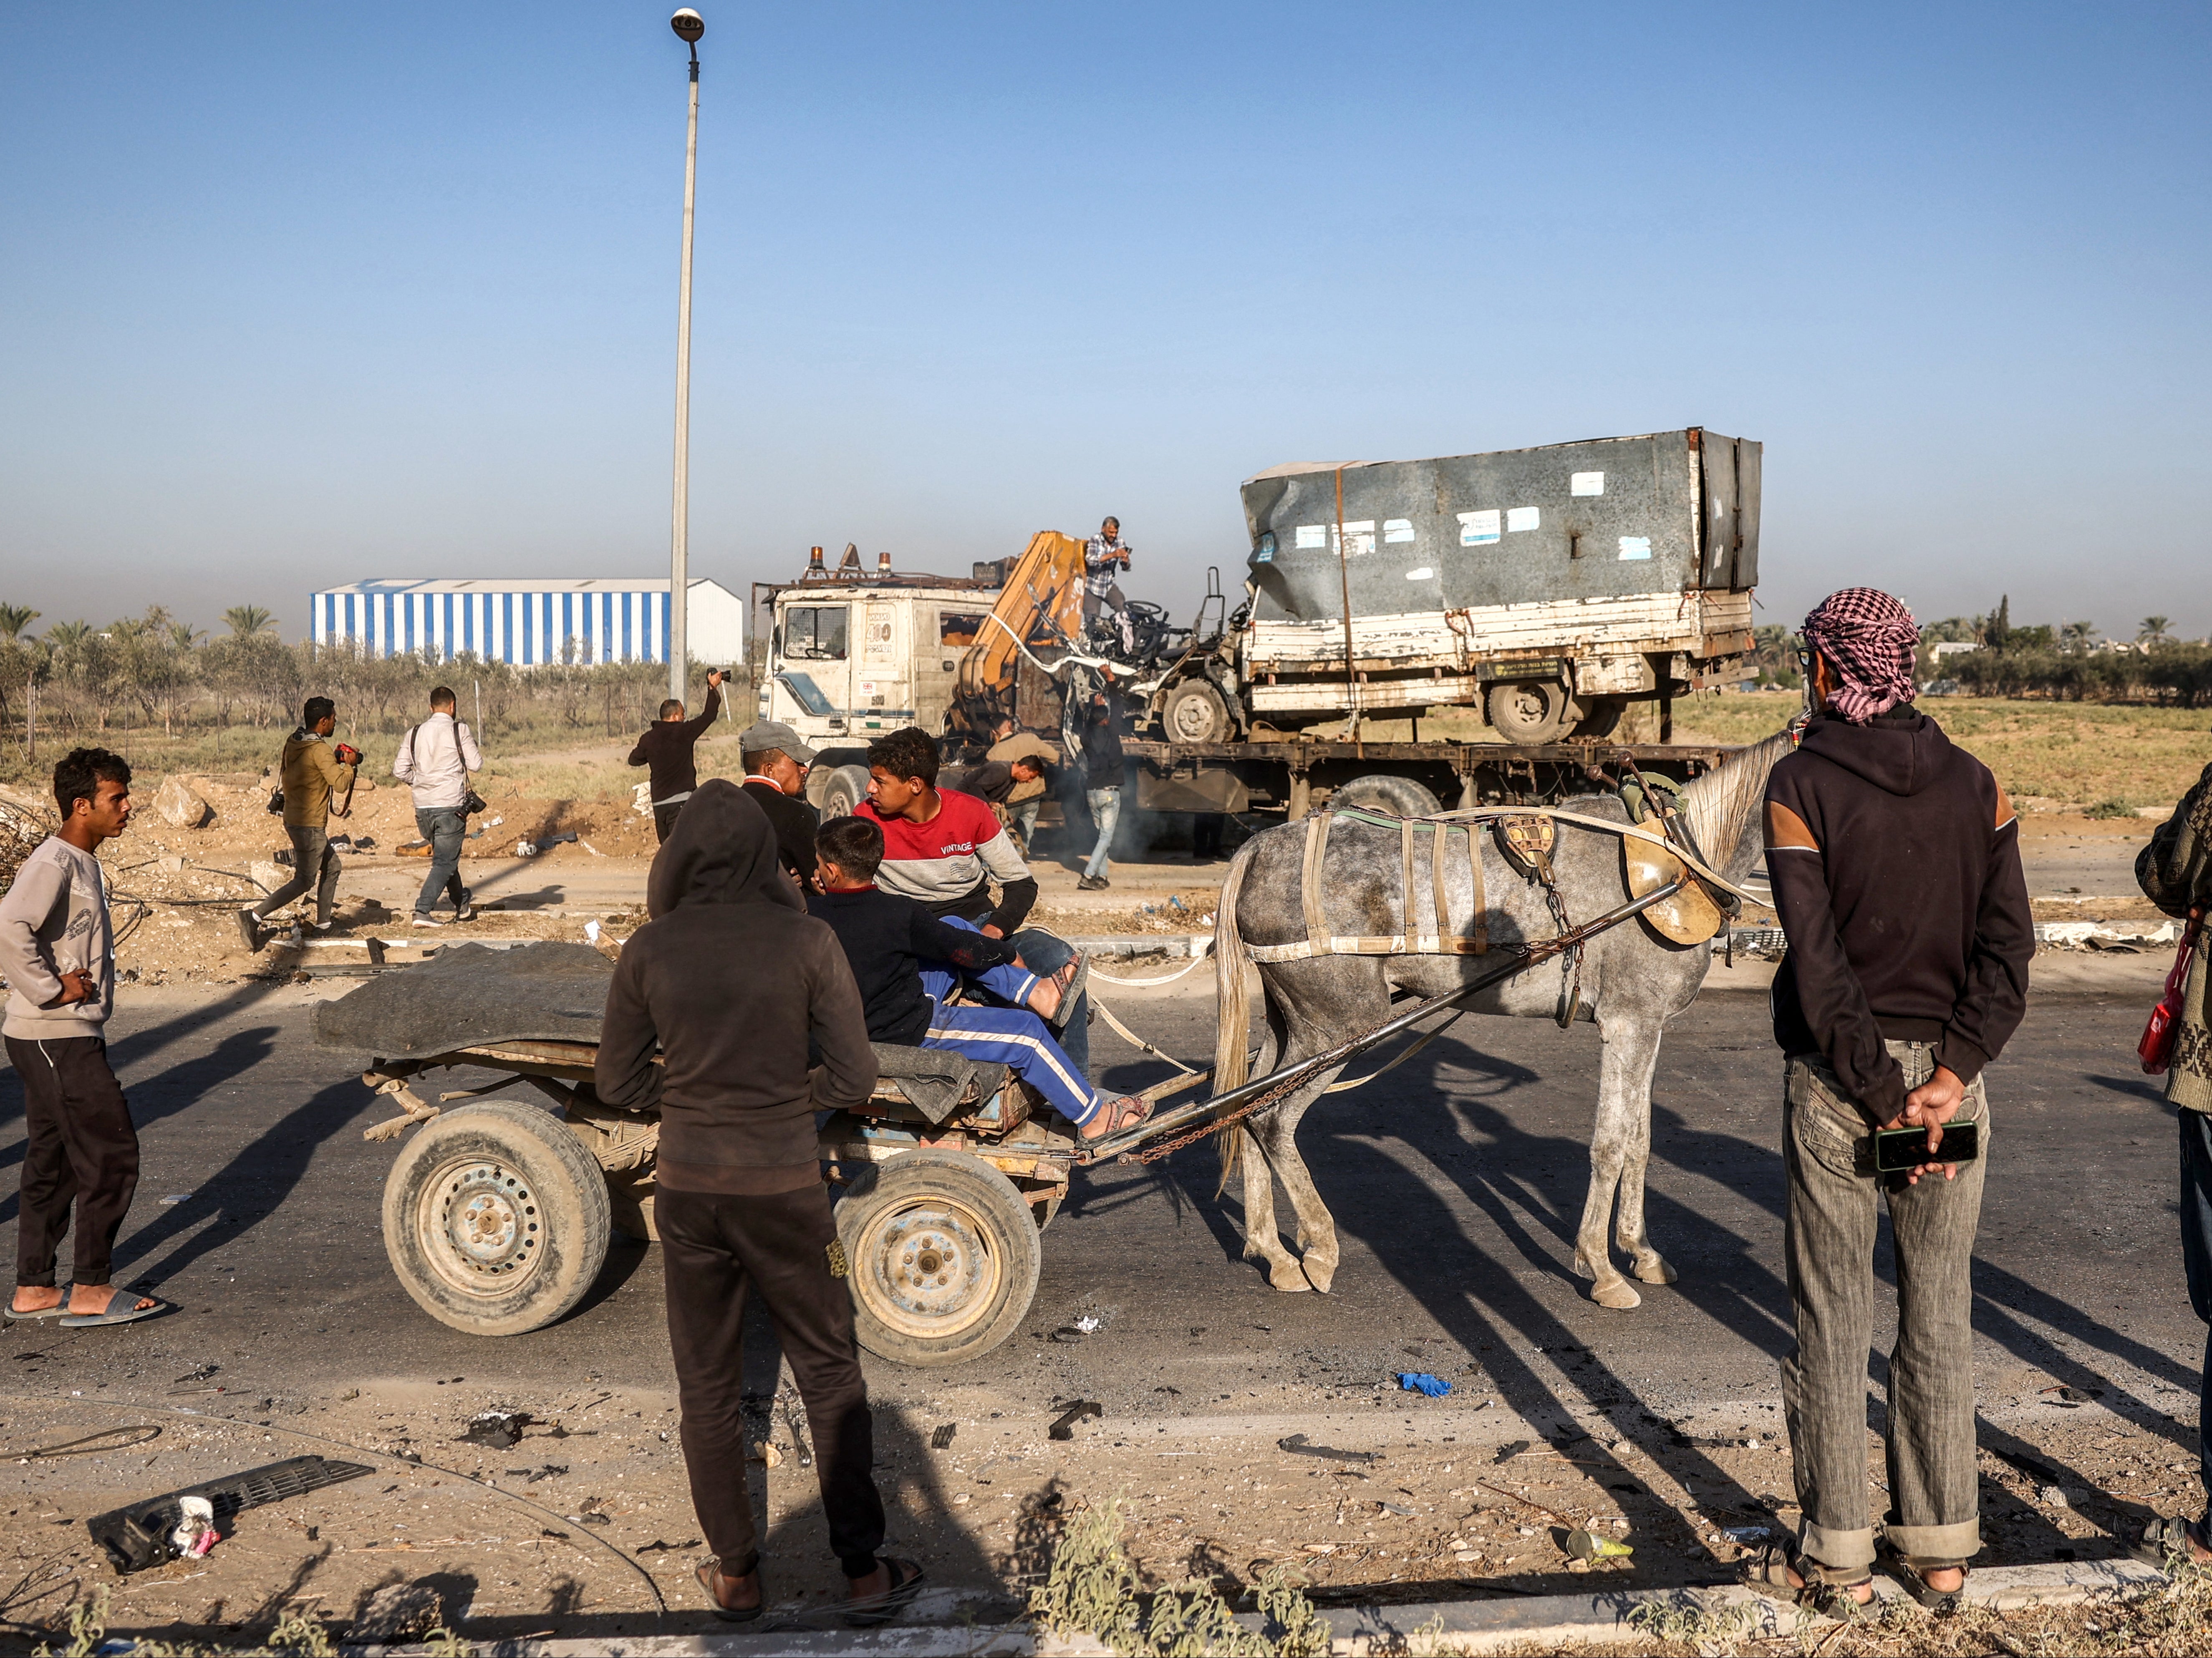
1895	861
666	751
57	952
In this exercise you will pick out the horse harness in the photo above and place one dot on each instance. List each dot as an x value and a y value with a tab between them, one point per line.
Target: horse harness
1525	837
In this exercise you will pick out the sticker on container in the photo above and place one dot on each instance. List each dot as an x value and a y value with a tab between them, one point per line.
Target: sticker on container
1397	529
1478	529
1522	518
1426	572
1635	547
1360	539
1313	535
1586	483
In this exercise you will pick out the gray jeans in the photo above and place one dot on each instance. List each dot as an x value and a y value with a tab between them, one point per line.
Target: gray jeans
1106	812
445	827
1834	1206
314	867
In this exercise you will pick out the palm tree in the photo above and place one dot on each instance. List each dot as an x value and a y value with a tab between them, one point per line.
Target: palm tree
13	618
2153	631
2077	634
248	620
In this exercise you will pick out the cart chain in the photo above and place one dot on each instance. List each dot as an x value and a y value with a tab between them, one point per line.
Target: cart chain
1274	1095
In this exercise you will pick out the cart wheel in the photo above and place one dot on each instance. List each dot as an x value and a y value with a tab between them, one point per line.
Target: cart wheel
943	1257
495	1217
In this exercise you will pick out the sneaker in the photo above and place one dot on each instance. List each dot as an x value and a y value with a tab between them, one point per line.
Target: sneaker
466	913
318	928
1093	884
249	929
421	919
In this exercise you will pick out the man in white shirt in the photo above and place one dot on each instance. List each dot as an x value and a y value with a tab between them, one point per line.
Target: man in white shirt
435	761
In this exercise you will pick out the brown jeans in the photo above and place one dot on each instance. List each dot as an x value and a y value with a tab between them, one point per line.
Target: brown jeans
715	1250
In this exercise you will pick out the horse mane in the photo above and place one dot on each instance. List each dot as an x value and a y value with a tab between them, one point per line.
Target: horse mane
1724	804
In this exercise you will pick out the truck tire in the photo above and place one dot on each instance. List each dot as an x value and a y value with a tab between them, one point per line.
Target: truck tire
495	1217
1603	714
847	787
1528	711
1195	712
1401	797
943	1253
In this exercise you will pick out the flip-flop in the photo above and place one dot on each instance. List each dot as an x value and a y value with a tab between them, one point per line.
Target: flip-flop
1072	993
45	1315
1917	1586
707	1570
128	1313
878	1609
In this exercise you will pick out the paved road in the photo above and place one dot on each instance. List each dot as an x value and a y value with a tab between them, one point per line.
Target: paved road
1456	1183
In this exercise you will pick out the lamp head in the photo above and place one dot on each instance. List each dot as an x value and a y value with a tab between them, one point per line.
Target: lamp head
689	25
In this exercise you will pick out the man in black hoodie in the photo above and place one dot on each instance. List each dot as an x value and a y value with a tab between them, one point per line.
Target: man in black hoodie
1895	861
729	980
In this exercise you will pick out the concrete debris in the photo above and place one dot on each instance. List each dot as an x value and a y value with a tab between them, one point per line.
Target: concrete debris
177	803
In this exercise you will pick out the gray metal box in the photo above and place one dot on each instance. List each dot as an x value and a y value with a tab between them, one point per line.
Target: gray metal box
1611	517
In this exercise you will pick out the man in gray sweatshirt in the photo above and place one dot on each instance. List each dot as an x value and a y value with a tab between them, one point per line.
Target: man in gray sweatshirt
57	953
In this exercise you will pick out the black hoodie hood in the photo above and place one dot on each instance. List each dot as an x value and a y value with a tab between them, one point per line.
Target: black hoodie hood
1902	752
722	851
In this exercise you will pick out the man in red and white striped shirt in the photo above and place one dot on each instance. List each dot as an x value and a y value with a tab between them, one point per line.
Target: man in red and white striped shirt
946	849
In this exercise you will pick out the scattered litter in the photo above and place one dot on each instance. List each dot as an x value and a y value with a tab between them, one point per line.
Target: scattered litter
494	822
523	849
1296	1444
1069	1333
591	932
144	1533
940	1437
1744	1536
178	1197
1088	1323
195	1534
1513	1447
1420	1382
497	1430
1392	1508
589	848
1583	1544
107	1439
2072	1398
592	1518
766	1455
1065	1427
657	1546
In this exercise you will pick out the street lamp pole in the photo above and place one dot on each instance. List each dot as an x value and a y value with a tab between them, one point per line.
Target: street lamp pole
689	27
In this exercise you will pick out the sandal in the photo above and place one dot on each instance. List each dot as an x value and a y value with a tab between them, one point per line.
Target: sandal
708	1572
123	1310
1916	1585
1072	992
2162	1539
870	1611
1777	1564
1061	983
1118	1114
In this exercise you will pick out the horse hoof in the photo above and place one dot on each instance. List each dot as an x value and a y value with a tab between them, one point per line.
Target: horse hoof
1655	1271
1320	1276
1620	1295
1290	1279
1583	1267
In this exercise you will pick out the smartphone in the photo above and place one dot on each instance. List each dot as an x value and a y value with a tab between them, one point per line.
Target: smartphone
1897	1150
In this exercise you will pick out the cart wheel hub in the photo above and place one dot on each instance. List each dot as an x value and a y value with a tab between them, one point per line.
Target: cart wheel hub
487	1223
930	1269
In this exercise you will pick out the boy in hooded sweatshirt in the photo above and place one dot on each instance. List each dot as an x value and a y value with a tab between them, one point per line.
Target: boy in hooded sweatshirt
729	981
1895	863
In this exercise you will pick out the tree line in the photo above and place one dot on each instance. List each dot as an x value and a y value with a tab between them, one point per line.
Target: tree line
76	682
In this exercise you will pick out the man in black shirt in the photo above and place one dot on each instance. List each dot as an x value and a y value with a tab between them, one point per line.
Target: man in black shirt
776	776
665	749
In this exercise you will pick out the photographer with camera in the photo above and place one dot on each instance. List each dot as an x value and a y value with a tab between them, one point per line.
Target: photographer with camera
666	751
314	774
435	761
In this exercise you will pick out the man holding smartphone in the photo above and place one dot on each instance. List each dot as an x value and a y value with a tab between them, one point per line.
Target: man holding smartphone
1895	861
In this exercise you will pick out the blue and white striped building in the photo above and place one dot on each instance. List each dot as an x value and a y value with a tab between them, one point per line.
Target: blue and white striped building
528	622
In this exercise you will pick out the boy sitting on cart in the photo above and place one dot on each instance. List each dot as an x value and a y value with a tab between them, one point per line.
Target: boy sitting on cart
908	963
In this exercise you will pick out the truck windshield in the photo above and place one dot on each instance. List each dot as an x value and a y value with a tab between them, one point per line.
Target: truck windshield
814	632
808	693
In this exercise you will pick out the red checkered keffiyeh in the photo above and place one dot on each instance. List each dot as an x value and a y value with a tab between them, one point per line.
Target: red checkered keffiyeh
1869	638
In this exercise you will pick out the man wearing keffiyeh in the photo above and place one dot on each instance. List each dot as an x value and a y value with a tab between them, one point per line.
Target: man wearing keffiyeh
1895	863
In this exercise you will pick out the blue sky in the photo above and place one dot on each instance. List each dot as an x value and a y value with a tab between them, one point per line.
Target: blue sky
295	294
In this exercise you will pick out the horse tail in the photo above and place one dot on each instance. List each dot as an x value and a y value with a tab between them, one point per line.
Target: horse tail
1232	1001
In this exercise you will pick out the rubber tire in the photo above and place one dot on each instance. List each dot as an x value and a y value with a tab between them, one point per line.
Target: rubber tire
1603	715
1194	712
1401	797
847	787
1504	705
1008	1227
566	1188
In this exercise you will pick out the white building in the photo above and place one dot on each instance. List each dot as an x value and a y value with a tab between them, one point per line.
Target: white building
614	619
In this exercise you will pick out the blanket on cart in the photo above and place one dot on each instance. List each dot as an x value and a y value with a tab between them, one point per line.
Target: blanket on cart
466	996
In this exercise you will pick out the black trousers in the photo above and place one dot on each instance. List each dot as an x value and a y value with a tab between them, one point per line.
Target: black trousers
83	1149
715	1250
664	819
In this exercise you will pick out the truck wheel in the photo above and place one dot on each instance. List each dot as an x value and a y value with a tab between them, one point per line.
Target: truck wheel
847	787
1195	712
943	1257
1401	797
496	1218
1604	713
1529	710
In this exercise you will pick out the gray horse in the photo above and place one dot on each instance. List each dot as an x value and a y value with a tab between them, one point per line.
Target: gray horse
1633	980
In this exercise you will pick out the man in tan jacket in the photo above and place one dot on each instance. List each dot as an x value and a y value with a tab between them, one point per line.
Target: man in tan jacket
316	773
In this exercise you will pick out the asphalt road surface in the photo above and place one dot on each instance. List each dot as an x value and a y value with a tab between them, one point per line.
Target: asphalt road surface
1456	1183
